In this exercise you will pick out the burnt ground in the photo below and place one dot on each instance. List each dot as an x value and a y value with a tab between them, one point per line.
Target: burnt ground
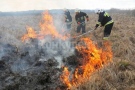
24	68
21	71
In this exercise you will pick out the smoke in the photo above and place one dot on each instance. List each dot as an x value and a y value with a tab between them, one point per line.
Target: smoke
22	56
1	52
19	66
9	42
57	48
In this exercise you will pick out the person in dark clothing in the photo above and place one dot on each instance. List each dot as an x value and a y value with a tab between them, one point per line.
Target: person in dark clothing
68	19
106	21
80	19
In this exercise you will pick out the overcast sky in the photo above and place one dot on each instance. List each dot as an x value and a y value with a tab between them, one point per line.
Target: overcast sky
24	5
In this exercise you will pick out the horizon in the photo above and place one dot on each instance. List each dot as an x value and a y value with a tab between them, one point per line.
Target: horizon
62	9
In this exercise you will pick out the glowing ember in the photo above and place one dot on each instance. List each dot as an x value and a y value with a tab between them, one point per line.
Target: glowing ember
93	59
46	28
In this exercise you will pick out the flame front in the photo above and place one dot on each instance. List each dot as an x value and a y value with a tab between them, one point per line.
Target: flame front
93	59
46	28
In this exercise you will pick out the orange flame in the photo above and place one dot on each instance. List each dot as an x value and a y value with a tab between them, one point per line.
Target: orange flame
46	28
31	34
93	59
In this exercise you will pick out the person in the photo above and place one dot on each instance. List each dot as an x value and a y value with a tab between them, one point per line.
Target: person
80	19
68	19
105	20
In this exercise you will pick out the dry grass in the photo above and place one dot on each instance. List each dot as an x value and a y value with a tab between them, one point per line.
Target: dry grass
13	27
118	75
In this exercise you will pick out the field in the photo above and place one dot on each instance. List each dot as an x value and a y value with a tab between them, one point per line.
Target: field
120	74
117	75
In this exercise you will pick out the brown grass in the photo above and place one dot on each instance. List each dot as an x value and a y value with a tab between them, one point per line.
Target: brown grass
120	74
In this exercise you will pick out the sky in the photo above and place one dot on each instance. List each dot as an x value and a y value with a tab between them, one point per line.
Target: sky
24	5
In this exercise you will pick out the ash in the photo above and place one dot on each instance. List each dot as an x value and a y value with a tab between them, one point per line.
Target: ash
33	66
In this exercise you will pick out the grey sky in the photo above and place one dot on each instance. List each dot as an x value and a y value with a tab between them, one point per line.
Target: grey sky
23	5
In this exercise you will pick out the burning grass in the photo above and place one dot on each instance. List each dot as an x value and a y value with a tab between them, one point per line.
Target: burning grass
92	59
46	28
118	75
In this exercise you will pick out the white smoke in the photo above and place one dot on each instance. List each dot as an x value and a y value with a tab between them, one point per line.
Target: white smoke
33	50
57	48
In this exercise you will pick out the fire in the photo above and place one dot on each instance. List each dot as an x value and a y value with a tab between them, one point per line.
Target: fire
46	28
93	60
31	34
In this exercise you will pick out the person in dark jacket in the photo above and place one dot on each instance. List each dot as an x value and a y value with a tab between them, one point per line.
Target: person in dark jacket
106	21
80	19
68	19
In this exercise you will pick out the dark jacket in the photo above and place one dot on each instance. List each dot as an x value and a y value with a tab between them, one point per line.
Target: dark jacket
104	17
68	17
80	17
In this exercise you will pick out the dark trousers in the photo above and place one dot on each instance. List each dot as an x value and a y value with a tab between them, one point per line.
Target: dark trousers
68	26
107	30
79	27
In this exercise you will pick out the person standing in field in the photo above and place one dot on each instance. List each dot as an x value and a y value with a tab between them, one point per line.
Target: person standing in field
105	20
68	19
80	19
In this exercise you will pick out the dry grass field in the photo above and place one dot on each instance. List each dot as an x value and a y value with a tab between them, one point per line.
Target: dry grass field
117	75
120	74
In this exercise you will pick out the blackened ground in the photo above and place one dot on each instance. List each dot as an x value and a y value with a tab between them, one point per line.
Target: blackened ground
21	71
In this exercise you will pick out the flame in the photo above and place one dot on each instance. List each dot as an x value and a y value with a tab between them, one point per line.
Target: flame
93	60
31	34
46	28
